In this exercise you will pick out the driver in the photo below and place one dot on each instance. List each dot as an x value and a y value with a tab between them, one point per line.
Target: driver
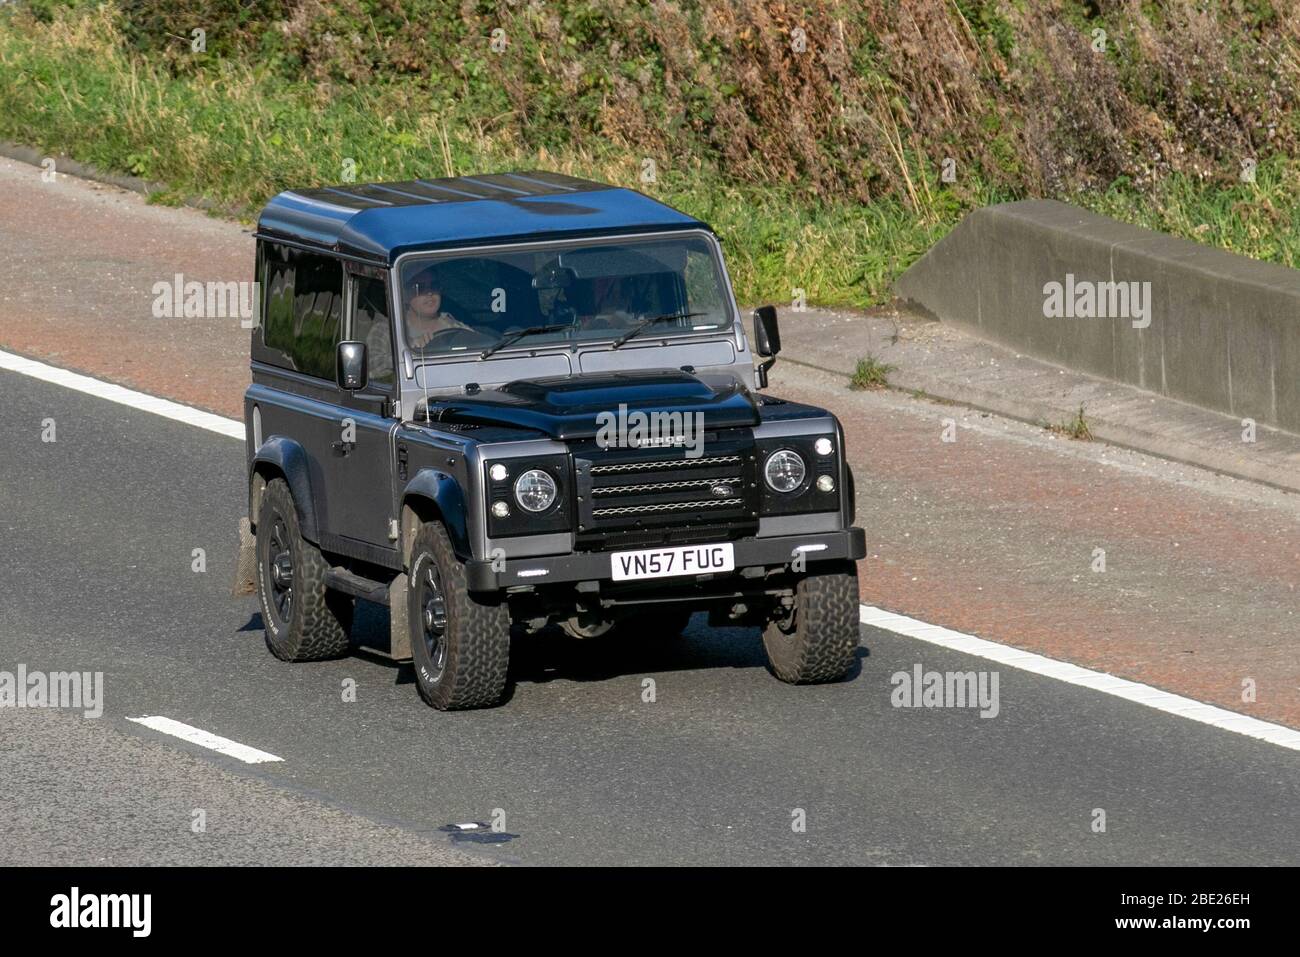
424	316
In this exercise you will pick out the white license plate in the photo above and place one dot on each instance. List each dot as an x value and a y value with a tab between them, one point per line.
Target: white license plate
667	562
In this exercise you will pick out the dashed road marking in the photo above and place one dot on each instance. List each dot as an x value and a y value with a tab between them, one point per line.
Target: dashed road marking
205	739
1134	691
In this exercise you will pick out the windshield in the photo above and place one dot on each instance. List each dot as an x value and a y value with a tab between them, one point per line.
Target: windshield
540	296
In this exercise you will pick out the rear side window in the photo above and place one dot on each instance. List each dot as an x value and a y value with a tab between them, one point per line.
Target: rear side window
304	309
277	317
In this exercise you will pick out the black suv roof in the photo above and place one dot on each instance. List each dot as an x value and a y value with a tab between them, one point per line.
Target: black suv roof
380	221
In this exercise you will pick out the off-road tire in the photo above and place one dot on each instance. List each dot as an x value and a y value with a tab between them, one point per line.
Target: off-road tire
649	624
474	643
319	620
819	641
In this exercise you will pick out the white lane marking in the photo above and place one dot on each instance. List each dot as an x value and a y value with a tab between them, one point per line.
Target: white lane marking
122	395
1073	674
876	617
205	739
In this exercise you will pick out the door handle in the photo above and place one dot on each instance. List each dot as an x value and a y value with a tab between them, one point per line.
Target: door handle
343	448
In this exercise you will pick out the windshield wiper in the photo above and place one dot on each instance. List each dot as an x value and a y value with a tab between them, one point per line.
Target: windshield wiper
646	323
516	336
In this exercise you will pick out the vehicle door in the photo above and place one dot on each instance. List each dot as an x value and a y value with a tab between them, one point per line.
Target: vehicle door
360	482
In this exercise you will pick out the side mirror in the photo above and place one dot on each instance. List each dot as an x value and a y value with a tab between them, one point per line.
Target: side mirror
350	366
767	342
767	335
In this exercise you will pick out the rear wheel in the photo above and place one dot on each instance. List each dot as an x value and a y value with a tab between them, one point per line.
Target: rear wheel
818	640
304	620
460	641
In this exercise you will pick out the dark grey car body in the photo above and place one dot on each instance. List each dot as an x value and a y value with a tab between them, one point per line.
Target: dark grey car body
367	467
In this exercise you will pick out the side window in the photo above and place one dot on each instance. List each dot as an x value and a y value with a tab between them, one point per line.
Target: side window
277	313
317	311
370	325
304	309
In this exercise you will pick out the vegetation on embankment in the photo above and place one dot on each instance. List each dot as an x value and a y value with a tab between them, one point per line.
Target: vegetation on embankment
829	142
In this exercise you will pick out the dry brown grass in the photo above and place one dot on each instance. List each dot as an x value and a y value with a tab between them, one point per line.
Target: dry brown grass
1013	92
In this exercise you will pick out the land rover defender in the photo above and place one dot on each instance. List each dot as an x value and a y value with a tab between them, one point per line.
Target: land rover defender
523	400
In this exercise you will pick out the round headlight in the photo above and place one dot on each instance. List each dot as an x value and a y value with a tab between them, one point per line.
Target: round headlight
498	472
784	471
535	491
823	446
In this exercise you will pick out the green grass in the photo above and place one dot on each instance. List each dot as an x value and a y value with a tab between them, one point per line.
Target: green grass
1076	428
871	373
241	136
236	132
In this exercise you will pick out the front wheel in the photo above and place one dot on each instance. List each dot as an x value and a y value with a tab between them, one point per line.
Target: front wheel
460	642
818	640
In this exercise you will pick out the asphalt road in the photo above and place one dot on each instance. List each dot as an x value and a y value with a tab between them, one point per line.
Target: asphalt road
97	532
977	523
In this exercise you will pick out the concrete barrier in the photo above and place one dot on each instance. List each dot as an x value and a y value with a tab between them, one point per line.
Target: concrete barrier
1063	284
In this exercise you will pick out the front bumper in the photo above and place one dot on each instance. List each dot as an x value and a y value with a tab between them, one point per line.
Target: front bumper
595	566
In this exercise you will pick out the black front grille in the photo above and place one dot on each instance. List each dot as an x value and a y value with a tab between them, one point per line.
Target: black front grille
633	498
